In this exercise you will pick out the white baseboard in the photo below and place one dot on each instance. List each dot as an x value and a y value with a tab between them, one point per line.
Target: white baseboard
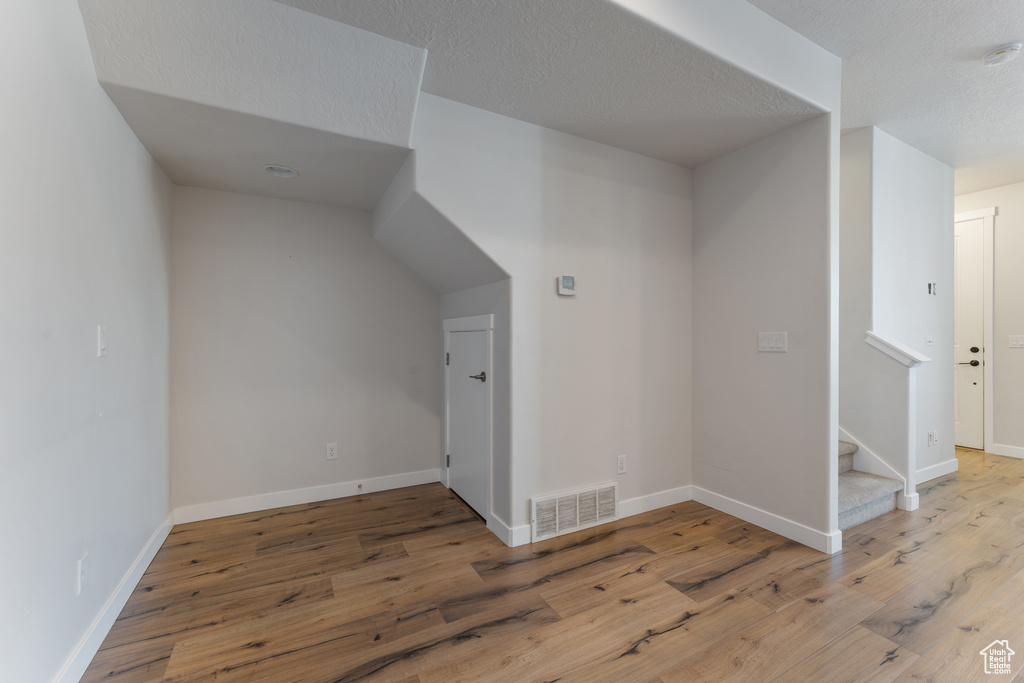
819	540
653	501
933	471
907	502
89	645
521	535
312	494
510	536
1008	451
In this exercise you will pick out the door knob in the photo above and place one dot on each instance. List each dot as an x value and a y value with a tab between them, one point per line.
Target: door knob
973	363
482	376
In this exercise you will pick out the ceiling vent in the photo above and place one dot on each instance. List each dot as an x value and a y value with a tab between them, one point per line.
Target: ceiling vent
557	515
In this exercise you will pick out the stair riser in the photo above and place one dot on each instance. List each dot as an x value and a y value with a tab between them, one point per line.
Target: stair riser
845	463
867	511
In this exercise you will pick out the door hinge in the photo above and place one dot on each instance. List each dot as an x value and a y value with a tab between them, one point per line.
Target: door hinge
447	359
448	460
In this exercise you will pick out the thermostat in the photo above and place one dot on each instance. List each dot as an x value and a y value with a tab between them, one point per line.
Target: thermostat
567	285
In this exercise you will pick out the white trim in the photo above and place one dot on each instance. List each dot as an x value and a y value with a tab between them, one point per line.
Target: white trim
932	471
988	216
74	668
910	484
500	529
899	352
866	460
312	494
653	501
510	536
1002	449
977	213
819	540
520	535
469	323
907	502
988	342
869	461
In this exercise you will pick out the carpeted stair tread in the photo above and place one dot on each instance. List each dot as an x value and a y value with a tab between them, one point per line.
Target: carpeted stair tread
864	496
846	451
857	488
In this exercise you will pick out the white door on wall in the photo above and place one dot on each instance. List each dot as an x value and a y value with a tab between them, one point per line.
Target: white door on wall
468	384
968	349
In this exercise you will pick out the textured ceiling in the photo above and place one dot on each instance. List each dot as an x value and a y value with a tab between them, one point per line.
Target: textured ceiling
584	67
203	146
216	90
259	57
913	68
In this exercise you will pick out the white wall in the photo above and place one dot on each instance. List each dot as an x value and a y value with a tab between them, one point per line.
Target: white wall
604	373
761	252
874	399
1008	318
292	328
83	440
911	243
855	269
495	299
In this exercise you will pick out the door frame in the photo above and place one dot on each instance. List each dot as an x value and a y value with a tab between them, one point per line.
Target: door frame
472	323
988	215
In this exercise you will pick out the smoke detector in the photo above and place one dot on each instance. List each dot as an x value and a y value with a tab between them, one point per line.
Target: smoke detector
1002	54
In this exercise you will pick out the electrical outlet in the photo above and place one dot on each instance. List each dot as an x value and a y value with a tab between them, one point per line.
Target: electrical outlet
332	451
82	575
622	464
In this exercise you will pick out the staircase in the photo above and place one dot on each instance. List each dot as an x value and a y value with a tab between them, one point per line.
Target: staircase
862	496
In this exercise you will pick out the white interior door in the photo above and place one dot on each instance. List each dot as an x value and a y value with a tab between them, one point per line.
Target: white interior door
969	352
469	416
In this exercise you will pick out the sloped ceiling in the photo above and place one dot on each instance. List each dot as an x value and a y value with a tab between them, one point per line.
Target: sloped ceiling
913	68
216	90
583	67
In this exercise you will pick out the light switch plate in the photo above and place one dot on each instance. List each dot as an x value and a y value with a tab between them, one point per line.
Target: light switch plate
773	342
1017	341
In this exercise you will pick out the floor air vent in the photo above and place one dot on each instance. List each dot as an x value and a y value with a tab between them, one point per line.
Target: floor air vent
557	515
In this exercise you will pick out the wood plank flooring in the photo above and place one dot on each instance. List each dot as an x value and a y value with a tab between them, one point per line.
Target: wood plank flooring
409	586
